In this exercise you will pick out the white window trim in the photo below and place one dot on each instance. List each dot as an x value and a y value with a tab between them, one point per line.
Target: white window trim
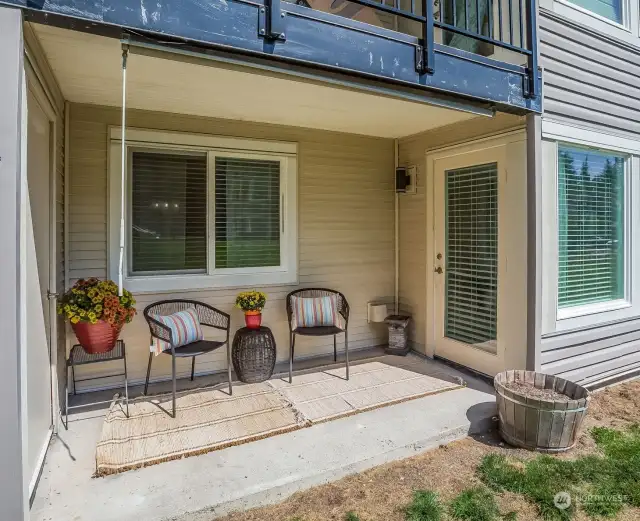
627	32
582	14
575	317
286	153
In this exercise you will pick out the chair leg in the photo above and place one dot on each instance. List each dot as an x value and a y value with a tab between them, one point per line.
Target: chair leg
146	383
292	341
335	349
346	351
173	374
229	367
193	366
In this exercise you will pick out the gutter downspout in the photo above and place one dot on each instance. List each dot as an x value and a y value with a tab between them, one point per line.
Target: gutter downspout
396	231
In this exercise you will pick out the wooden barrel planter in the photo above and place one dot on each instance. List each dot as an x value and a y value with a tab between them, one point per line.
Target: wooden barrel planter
538	411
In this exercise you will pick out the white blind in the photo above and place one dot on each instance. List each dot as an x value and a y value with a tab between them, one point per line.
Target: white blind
590	226
168	212
471	262
247	212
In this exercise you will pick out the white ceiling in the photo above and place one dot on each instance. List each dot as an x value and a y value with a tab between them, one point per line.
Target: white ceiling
88	69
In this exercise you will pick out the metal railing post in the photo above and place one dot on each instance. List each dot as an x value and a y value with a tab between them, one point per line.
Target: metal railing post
275	24
429	37
532	45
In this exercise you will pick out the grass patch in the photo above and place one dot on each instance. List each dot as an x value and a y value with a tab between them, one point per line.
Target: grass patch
475	504
425	506
602	485
351	516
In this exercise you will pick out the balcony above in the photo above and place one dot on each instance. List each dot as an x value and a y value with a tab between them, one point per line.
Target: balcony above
479	52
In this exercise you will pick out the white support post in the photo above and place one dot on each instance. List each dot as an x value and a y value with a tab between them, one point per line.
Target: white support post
13	425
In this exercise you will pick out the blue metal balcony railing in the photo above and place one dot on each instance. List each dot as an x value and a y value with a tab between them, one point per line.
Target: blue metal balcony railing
482	52
464	24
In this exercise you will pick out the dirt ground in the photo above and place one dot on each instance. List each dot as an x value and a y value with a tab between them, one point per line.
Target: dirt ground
381	493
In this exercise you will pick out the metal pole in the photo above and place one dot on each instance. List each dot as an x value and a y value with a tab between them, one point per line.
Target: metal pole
532	45
429	36
125	54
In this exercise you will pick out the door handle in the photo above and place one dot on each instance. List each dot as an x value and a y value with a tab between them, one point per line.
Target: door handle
438	270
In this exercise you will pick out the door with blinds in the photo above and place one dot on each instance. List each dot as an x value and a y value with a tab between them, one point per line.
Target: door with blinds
466	256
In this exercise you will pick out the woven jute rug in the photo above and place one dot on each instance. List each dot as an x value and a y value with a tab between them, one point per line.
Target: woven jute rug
210	419
327	395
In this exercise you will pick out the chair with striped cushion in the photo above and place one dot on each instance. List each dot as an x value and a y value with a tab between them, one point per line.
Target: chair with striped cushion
317	312
175	327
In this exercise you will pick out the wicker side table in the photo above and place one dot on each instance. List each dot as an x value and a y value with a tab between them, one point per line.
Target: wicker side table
254	354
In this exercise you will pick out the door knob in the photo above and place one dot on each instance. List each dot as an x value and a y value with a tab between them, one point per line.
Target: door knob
438	270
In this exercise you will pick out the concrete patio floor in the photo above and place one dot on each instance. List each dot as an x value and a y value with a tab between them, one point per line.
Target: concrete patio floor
256	473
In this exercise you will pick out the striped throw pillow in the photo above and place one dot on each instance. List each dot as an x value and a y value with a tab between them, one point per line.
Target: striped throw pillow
185	329
315	312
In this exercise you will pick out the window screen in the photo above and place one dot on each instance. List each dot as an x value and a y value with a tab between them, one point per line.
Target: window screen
471	270
168	213
247	213
591	226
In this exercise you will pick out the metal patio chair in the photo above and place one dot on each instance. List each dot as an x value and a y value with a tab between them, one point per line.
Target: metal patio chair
207	315
343	309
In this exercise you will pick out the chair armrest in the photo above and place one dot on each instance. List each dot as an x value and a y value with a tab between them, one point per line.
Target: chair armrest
344	311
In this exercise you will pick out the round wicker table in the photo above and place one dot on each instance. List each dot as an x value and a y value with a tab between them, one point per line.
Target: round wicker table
253	354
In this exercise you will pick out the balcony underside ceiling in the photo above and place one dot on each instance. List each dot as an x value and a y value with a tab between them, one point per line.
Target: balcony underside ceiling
88	69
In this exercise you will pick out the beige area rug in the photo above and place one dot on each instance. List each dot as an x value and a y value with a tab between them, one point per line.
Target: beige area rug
327	395
210	419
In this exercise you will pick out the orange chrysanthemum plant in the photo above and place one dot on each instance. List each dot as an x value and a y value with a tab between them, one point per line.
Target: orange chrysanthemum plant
97	313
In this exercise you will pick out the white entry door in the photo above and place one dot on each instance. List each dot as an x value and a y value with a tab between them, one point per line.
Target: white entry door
466	265
39	227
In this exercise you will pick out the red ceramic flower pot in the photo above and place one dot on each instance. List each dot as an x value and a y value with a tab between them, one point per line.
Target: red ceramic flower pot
253	319
96	338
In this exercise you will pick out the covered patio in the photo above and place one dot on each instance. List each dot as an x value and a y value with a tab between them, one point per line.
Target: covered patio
340	224
261	471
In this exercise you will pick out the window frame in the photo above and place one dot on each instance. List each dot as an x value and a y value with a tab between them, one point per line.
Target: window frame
624	25
628	32
554	318
151	140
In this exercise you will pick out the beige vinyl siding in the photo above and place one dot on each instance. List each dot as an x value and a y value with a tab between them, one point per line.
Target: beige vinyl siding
415	247
593	81
345	221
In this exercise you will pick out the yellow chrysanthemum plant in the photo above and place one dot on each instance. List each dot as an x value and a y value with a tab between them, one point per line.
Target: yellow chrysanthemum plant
251	302
94	302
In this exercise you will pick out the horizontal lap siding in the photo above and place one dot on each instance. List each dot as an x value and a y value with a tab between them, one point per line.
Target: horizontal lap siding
594	82
345	220
589	79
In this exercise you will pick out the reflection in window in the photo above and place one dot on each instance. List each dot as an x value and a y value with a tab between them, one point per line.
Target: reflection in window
590	226
168	212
